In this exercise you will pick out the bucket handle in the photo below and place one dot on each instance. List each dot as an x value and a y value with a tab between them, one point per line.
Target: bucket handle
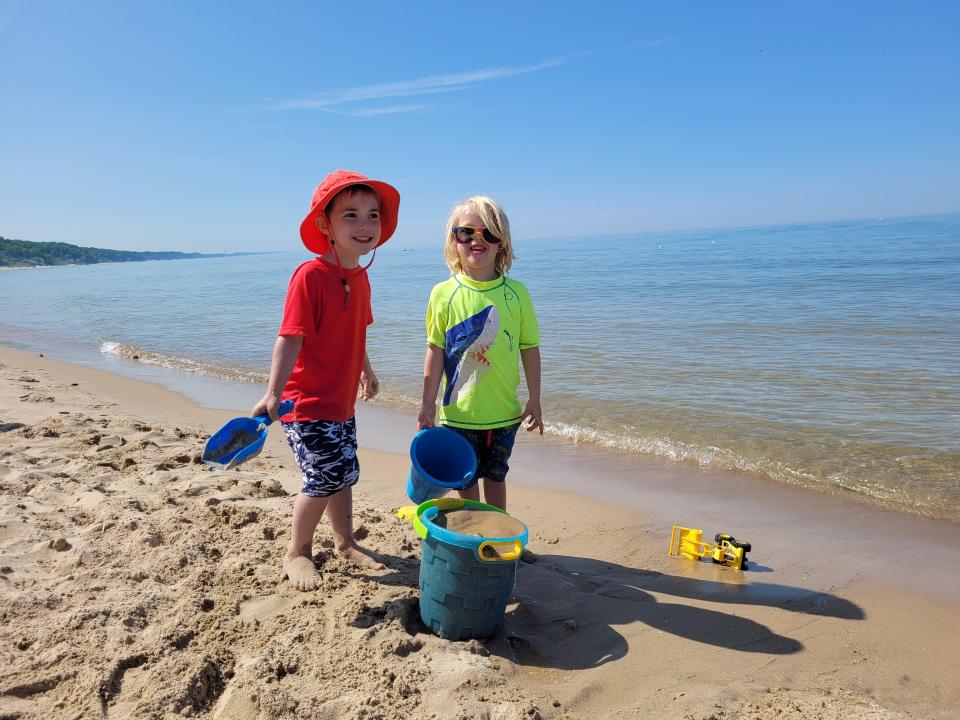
448	503
515	548
419	528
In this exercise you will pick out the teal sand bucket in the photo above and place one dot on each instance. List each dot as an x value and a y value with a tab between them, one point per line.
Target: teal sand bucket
441	460
466	579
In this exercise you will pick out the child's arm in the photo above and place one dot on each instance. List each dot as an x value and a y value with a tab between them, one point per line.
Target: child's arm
285	353
369	382
532	414
432	374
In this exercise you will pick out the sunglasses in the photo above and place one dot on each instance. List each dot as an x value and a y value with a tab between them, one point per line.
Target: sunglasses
464	234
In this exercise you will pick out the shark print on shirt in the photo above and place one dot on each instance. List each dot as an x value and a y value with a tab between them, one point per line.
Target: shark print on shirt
466	352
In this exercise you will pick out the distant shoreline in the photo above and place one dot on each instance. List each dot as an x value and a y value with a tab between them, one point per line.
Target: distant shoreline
185	256
27	254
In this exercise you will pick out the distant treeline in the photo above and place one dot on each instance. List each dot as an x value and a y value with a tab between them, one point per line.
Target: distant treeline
19	253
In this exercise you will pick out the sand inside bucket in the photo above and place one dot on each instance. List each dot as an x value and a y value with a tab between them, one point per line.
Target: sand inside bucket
484	523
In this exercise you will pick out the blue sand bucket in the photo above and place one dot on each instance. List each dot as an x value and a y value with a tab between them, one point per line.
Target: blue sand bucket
465	580
441	460
240	439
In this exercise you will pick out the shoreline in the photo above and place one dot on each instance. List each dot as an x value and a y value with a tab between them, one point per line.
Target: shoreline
378	422
662	490
842	605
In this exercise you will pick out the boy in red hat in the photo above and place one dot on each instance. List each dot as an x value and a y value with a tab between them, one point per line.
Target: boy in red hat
320	361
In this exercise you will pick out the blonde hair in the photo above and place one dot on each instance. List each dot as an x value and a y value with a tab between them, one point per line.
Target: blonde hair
494	219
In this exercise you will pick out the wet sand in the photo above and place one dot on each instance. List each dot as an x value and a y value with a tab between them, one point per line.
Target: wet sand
137	582
482	523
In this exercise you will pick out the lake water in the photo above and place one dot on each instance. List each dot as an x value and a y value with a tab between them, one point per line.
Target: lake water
818	355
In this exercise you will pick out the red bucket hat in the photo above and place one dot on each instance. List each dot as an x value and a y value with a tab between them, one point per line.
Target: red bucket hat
315	240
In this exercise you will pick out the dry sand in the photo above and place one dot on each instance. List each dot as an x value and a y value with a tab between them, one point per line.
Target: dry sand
482	523
137	583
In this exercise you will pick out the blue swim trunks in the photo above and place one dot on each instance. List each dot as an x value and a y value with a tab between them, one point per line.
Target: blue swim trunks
493	448
326	452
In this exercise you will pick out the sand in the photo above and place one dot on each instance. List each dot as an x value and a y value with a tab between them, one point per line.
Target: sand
482	523
136	582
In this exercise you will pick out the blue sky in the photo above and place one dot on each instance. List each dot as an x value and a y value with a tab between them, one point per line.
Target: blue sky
205	126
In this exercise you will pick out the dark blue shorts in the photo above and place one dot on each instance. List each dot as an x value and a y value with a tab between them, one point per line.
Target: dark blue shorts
326	452
493	448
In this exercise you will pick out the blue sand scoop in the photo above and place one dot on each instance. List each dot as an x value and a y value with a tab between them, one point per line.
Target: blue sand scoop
240	439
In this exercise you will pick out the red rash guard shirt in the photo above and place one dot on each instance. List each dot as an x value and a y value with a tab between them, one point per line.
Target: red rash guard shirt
325	380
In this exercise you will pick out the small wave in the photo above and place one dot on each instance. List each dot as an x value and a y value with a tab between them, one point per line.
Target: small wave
925	484
180	364
397	400
669	449
874	477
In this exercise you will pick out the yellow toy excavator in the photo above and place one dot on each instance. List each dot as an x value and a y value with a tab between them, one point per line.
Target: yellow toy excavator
724	550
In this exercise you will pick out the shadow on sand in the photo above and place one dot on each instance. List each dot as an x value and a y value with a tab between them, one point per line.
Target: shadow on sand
567	608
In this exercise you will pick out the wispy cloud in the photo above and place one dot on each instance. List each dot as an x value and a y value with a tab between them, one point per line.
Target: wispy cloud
371	111
350	101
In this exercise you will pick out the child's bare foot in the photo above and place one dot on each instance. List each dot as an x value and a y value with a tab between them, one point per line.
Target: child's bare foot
361	557
301	572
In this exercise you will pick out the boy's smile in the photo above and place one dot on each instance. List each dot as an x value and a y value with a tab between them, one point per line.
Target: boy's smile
478	248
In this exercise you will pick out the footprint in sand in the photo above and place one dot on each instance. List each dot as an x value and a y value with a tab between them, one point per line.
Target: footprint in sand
264	608
37	398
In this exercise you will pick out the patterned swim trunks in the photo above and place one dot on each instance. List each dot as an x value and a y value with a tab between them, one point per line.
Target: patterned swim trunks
326	452
493	448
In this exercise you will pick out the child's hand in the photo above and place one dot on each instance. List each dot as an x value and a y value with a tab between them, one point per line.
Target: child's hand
427	415
267	406
369	384
532	416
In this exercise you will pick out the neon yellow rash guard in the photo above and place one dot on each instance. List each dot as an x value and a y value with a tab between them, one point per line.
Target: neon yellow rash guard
481	328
